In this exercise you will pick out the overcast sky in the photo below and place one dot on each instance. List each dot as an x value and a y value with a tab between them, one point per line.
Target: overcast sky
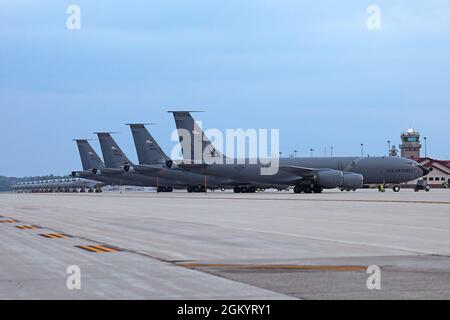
310	68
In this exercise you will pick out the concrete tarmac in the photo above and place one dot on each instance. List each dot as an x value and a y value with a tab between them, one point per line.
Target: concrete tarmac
220	245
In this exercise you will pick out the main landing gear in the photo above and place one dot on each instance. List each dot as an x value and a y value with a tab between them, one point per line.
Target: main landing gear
244	189
164	189
196	189
308	189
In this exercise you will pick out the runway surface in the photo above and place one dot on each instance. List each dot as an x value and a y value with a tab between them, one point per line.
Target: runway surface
218	245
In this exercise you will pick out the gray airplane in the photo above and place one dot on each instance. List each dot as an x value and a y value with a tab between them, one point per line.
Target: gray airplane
155	163
58	185
305	174
93	166
117	166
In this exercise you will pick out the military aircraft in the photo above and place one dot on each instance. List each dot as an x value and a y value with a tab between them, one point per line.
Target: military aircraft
305	174
117	165
93	166
58	185
155	163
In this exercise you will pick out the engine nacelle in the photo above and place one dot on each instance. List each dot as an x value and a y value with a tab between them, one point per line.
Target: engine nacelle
352	181
329	179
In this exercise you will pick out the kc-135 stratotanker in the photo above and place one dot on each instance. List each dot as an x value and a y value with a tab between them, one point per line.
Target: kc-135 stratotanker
206	168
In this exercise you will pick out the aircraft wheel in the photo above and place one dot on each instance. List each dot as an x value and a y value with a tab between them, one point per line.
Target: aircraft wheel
244	190
169	189
237	190
396	189
307	189
298	189
317	189
190	189
252	189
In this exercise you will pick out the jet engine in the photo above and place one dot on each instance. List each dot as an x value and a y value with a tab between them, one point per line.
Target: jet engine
329	179
352	181
169	164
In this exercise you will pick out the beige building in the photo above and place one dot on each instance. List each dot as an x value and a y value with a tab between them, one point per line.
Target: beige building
440	176
411	147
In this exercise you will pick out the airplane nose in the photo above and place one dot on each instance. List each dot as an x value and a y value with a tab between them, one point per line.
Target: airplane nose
425	171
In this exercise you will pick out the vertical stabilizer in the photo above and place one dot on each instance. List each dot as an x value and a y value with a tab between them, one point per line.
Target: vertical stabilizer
148	150
195	145
89	158
112	154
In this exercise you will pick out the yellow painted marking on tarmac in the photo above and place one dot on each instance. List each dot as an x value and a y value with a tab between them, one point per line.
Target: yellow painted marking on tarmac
105	248
49	236
59	235
8	221
90	248
26	227
98	249
54	235
274	267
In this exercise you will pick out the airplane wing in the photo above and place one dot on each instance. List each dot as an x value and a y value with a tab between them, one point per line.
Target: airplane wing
299	171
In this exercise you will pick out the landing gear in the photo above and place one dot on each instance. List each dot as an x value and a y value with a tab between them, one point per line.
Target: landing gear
196	189
396	189
298	189
308	189
317	189
244	189
164	189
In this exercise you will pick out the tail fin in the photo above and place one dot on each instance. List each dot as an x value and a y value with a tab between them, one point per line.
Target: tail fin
112	154
148	150
89	158
195	145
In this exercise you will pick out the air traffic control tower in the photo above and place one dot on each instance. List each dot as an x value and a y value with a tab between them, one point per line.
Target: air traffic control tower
410	146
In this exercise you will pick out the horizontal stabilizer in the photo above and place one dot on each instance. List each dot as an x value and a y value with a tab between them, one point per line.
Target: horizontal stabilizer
147	168
111	170
193	166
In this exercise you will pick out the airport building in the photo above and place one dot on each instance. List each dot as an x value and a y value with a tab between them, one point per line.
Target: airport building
411	148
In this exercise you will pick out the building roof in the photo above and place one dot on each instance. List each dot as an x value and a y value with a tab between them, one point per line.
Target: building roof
443	165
